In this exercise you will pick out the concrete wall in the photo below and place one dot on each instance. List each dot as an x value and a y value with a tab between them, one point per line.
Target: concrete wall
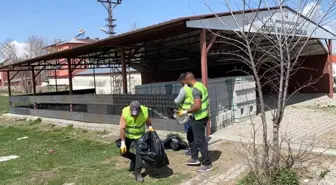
103	83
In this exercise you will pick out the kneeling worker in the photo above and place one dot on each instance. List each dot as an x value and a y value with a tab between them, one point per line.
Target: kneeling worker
132	126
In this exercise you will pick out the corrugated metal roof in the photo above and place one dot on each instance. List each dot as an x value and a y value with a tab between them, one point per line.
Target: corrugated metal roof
142	34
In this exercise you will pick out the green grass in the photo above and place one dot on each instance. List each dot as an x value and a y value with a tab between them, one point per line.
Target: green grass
4	104
76	160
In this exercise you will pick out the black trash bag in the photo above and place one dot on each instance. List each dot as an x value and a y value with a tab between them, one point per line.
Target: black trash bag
175	142
152	151
118	142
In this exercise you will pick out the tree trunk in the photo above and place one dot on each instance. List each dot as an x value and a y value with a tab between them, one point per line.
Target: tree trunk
265	159
276	148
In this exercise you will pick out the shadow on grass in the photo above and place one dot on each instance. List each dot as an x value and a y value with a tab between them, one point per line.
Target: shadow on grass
158	173
214	155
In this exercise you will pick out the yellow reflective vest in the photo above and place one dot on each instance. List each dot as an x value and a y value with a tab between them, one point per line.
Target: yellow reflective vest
135	128
188	99
203	112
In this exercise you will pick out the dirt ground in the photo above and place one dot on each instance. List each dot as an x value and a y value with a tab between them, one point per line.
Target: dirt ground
224	155
314	170
327	140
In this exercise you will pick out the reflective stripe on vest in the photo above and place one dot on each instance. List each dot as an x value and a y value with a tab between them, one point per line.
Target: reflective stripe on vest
204	110
186	104
135	129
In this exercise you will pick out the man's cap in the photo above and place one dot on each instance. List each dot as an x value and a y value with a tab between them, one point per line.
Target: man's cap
135	108
181	77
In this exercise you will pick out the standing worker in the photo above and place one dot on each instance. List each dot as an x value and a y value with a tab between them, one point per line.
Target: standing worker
184	101
132	126
200	110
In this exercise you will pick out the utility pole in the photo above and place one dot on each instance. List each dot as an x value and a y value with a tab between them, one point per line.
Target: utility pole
109	6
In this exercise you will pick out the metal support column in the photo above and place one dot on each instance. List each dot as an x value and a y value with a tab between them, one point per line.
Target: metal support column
123	71
94	79
56	80
8	84
331	80
33	81
129	77
70	80
204	67
33	84
204	59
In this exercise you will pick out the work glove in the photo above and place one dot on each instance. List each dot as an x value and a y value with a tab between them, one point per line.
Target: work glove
123	148
150	128
182	112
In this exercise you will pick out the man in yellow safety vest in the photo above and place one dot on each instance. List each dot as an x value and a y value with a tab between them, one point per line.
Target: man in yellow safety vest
184	101
132	127
200	110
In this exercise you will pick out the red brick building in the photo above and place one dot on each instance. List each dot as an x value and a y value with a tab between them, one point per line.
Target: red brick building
25	77
75	42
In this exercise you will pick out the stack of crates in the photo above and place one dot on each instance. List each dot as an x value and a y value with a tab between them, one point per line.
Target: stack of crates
244	101
232	99
220	105
172	87
153	88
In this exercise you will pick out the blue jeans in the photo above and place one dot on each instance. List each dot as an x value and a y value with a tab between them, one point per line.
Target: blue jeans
187	125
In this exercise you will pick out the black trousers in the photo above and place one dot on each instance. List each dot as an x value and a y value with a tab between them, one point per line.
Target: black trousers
190	136
199	144
136	160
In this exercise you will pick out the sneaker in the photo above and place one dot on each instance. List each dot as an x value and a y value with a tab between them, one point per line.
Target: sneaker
193	162
204	168
188	153
138	177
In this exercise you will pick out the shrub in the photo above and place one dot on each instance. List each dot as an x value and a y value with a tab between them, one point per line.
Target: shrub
70	127
324	173
249	179
283	176
35	122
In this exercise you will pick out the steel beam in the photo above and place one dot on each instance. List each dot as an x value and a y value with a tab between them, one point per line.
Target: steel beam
214	37
8	84
123	70
70	80
204	61
77	64
33	84
56	80
204	67
70	76
17	72
33	81
94	79
331	87
40	70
